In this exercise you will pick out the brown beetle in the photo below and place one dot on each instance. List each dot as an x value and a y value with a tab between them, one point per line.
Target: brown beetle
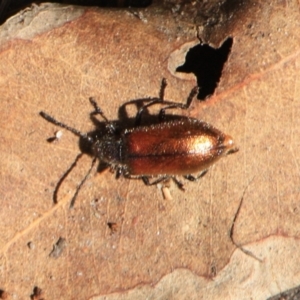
180	146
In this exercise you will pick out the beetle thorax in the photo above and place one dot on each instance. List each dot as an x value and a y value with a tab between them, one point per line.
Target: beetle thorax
107	149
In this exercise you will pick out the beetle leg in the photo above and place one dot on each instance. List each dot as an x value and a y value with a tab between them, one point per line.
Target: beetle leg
146	178
160	179
97	109
162	89
138	116
170	104
154	101
189	100
119	172
178	183
194	178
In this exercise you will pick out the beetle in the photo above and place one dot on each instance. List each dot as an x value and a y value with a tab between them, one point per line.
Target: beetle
162	150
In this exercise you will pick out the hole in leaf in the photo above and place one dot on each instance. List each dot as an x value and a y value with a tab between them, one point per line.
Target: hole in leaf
207	64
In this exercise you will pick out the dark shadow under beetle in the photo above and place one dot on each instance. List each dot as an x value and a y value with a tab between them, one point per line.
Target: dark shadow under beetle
150	146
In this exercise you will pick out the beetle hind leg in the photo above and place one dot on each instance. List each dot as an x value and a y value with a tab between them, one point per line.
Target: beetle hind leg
185	106
153	101
162	89
158	180
179	184
163	179
195	178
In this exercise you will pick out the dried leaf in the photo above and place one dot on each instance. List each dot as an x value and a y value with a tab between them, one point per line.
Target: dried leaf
116	57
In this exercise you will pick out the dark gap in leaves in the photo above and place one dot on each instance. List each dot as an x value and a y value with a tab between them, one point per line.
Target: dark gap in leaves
207	64
110	3
3	294
10	7
291	294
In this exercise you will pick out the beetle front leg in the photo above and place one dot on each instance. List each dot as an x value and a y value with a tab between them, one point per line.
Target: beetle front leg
97	109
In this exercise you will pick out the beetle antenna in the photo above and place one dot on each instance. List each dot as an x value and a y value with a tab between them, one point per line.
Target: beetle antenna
64	176
82	183
62	125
